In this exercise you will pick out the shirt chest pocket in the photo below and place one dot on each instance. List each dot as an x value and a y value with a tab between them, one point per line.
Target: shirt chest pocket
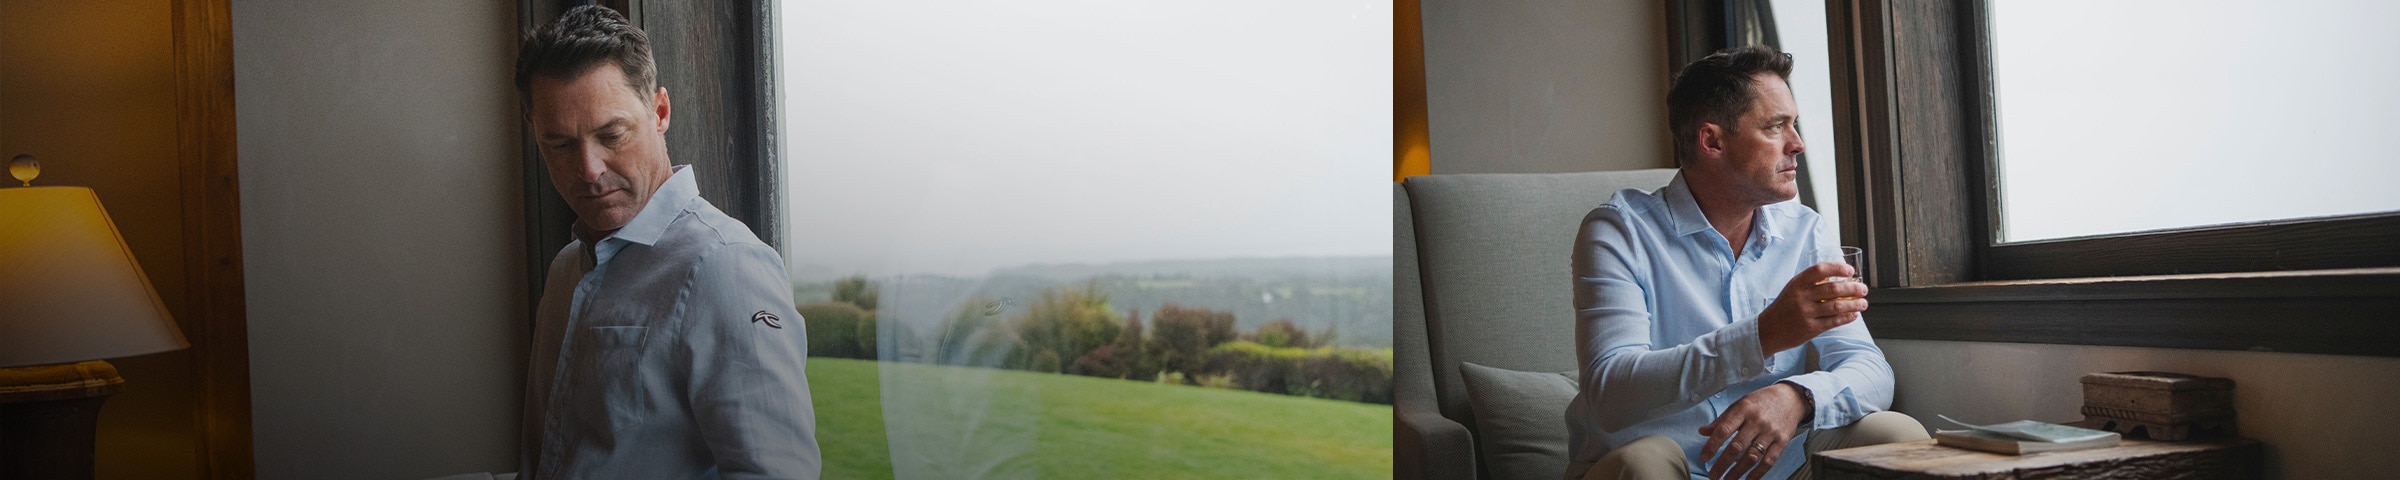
607	394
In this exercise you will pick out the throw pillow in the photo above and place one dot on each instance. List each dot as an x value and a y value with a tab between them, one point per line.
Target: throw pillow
1520	419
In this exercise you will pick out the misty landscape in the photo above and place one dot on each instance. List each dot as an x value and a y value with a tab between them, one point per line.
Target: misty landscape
1348	296
1074	370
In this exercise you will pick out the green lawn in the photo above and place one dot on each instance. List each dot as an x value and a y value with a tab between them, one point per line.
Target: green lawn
849	420
976	422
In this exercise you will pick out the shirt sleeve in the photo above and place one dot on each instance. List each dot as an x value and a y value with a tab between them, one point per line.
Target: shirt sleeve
1621	369
747	352
1855	380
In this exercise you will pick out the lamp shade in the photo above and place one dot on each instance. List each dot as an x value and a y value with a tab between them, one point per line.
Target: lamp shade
69	289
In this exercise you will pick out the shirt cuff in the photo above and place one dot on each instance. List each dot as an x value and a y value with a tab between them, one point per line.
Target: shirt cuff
1823	391
1744	359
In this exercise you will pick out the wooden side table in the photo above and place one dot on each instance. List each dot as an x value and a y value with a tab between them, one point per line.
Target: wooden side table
2204	459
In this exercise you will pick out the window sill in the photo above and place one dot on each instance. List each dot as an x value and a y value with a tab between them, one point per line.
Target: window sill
2340	312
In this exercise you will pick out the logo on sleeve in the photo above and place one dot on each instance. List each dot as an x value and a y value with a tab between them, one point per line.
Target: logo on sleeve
763	316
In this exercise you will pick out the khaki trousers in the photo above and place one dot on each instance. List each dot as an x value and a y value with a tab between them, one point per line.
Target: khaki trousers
1656	457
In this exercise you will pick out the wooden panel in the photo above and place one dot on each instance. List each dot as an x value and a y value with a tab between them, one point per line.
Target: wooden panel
214	321
1872	190
1929	89
2360	241
2268	325
2341	314
715	58
2347	283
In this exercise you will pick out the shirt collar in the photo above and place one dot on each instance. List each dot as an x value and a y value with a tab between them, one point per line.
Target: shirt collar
1685	211
1682	208
651	223
1766	217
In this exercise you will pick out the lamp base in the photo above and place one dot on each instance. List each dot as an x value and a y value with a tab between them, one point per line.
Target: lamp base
48	415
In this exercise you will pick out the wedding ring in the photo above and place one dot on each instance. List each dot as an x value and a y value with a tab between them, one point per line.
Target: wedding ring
1758	447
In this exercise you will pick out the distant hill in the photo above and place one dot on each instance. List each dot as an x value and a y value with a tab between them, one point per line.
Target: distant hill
1352	295
1284	267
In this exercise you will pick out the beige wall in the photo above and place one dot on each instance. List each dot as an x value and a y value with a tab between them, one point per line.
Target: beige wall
382	236
2319	416
1546	86
89	88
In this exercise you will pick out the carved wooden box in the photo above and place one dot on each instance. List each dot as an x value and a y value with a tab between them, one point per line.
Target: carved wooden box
2167	406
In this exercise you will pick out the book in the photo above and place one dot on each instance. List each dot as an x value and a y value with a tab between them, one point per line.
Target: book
2023	437
1997	443
2033	431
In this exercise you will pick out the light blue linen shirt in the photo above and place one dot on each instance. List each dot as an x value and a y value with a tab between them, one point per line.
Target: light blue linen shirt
1666	319
669	350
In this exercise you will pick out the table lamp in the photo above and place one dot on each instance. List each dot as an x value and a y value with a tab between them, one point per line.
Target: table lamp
70	295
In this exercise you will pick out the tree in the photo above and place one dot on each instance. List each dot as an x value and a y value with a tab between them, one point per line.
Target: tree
1062	327
1331	336
1353	374
1282	333
1181	336
1103	362
1121	358
865	335
834	329
856	290
1130	350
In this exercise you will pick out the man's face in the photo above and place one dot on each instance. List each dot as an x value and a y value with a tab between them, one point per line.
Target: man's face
604	145
1760	153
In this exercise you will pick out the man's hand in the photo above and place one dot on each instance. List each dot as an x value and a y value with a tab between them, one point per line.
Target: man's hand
1818	299
1753	432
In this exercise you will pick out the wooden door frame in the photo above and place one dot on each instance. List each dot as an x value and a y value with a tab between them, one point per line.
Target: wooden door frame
214	317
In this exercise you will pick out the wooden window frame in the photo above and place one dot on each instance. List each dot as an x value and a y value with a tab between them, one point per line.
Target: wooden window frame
1912	99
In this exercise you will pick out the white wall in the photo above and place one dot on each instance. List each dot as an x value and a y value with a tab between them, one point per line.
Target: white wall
382	236
2319	416
1550	86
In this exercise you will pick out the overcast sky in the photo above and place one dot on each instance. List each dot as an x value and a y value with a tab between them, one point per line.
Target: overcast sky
2144	114
958	137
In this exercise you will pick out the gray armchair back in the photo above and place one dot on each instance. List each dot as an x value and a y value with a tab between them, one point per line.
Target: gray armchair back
1481	272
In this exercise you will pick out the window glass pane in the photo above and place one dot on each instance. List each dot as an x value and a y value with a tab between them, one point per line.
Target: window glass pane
2129	115
1800	26
1075	239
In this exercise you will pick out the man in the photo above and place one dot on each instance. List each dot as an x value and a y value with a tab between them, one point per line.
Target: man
665	345
1701	307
